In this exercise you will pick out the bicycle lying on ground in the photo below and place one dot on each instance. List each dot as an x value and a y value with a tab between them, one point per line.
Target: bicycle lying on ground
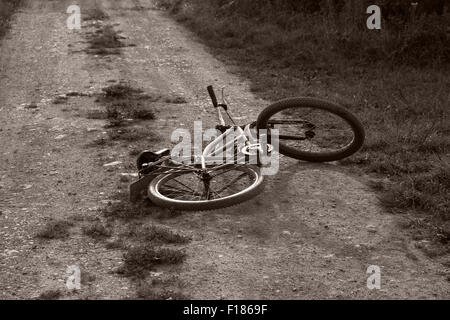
307	129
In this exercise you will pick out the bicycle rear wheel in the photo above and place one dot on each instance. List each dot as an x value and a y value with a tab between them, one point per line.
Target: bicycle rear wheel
312	129
216	187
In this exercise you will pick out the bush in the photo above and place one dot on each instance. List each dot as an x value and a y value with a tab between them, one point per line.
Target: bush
7	8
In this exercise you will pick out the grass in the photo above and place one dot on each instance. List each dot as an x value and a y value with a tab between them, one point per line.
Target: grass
55	229
157	234
95	14
123	102
396	80
105	41
124	210
50	295
97	231
87	277
141	259
7	9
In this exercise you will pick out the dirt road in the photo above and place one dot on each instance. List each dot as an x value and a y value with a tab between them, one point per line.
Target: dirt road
311	234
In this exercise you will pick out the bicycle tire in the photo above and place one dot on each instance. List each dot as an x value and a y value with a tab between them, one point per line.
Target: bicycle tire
304	102
160	200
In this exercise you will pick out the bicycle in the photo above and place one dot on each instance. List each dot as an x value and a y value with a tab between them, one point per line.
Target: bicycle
304	134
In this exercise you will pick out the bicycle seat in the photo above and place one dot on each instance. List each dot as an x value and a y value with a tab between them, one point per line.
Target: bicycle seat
148	156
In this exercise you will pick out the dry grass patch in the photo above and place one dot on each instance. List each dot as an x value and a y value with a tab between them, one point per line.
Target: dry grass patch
104	41
97	230
55	229
50	295
155	233
95	14
141	259
7	9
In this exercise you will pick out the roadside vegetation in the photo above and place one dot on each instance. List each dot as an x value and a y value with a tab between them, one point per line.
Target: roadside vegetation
396	80
104	41
7	9
55	229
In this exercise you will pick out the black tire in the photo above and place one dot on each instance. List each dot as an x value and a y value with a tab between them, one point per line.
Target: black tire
160	200
355	125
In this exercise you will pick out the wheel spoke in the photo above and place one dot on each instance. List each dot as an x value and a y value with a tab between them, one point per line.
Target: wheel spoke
232	182
202	186
183	184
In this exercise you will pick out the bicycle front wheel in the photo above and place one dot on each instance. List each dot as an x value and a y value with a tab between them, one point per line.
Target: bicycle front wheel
212	188
312	129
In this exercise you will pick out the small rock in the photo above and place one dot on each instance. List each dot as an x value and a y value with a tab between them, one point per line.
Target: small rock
73	94
286	233
239	236
329	256
156	274
91	129
52	173
30	106
115	163
133	175
27	186
10	252
371	228
60	137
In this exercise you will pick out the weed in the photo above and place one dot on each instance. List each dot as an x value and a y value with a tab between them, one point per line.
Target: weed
139	260
116	244
95	14
7	9
97	231
55	229
156	233
105	41
126	210
121	90
50	295
175	100
60	100
124	103
87	277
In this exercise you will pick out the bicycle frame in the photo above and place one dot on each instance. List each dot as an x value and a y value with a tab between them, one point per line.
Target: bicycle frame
211	154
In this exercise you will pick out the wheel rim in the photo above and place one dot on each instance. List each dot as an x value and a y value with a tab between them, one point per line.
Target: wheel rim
224	182
312	130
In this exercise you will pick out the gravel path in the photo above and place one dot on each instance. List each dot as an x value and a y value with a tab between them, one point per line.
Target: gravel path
311	234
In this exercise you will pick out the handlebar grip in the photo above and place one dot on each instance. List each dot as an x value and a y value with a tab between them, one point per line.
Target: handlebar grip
212	95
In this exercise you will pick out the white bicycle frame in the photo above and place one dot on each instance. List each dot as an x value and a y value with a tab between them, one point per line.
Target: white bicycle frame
209	156
216	149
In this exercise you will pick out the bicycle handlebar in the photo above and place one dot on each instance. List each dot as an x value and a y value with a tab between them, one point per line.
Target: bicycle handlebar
213	96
